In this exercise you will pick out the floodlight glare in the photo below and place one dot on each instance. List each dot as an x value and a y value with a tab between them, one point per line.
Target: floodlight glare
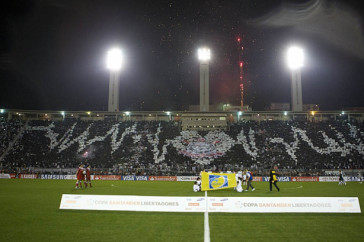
114	59
295	58
204	54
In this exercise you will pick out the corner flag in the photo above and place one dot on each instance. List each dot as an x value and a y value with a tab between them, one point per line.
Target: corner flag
214	181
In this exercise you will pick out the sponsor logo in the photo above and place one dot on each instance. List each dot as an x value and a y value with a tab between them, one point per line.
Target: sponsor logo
329	179
28	176
4	176
280	179
284	179
141	178
162	178
57	177
304	178
107	177
217	181
351	178
257	178
128	178
187	178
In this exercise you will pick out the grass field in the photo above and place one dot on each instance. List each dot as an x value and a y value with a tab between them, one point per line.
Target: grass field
29	212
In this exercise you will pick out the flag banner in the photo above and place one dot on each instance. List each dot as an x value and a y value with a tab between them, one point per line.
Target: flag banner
214	181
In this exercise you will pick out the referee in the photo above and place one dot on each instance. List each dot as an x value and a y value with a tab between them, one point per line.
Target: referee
273	179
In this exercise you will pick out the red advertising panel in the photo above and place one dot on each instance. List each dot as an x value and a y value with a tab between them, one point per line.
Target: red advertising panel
107	177
28	176
257	178
162	178
305	178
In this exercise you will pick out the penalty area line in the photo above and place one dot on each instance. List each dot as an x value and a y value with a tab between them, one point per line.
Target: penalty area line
206	222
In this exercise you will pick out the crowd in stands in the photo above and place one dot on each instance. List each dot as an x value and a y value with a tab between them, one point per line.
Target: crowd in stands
8	131
161	148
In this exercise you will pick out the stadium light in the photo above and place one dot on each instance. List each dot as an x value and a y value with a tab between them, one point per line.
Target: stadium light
2	110
204	54
127	114
114	59
169	115
285	113
239	114
63	114
342	112
295	58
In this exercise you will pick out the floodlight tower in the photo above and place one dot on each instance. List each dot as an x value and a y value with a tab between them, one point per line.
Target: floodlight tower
204	57
241	66
114	63
295	62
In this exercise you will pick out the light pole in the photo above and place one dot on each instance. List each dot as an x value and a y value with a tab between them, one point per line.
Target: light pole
295	62
204	57
114	63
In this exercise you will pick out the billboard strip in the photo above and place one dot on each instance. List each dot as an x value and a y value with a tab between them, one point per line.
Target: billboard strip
214	204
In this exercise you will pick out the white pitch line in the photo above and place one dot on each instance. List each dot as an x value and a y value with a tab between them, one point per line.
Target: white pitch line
207	226
293	188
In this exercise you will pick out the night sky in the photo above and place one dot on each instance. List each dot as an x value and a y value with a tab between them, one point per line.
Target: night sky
53	52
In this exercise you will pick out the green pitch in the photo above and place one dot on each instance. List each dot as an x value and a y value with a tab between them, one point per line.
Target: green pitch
29	212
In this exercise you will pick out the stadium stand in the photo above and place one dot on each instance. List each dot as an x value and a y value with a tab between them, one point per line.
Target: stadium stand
164	148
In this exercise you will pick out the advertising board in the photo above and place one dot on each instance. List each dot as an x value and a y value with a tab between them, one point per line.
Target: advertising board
28	176
187	178
162	178
305	178
214	204
107	177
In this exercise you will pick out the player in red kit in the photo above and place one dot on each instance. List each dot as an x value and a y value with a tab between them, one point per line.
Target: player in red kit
80	176
88	176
